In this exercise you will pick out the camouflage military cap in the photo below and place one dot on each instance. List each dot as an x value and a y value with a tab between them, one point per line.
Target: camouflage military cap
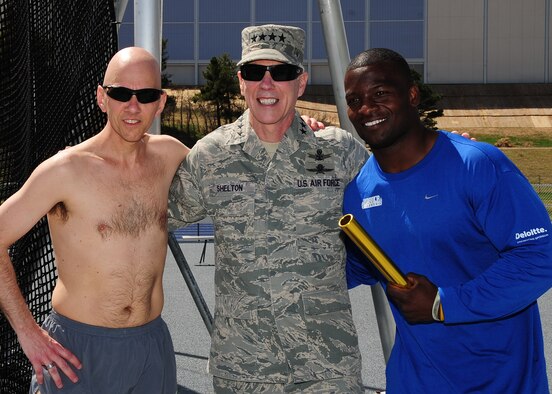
273	42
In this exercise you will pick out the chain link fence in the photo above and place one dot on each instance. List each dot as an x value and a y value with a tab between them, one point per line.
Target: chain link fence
544	190
53	55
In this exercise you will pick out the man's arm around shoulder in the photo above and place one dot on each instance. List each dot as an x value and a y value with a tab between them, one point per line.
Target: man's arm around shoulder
185	198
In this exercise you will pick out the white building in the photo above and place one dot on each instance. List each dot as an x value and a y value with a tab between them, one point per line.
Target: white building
448	41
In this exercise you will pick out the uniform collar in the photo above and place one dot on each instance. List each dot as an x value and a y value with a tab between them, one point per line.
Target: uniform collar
295	135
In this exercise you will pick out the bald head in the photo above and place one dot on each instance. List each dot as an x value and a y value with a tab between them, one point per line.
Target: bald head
133	65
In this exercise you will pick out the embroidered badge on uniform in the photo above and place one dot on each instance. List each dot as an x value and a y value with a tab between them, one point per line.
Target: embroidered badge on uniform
319	161
232	187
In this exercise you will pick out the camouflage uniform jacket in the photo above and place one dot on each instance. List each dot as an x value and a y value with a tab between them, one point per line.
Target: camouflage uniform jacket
282	308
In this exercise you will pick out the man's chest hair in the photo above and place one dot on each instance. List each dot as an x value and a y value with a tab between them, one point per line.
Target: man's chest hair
134	215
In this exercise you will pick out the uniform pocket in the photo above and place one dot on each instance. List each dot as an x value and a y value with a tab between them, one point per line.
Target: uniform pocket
322	302
331	331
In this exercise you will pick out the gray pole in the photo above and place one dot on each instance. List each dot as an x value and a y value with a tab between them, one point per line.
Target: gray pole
338	56
120	8
338	53
195	291
148	21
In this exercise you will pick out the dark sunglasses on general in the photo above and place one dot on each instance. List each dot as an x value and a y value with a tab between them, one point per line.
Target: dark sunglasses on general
123	94
278	72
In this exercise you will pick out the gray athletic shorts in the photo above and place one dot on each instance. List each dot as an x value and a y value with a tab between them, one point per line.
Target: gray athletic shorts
114	360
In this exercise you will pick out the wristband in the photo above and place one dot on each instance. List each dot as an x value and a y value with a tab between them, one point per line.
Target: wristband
437	310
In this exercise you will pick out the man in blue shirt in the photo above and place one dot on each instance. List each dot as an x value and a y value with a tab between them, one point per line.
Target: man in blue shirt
466	225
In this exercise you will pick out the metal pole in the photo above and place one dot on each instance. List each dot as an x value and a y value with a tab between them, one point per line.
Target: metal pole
338	54
120	8
384	317
147	35
191	282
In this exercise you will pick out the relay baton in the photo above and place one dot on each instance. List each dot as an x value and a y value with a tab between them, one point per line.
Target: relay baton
372	250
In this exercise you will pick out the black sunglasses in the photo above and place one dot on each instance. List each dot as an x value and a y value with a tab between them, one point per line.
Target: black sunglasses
144	96
278	72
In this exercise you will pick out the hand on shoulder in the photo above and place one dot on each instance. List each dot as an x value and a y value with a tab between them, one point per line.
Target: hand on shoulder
465	135
314	124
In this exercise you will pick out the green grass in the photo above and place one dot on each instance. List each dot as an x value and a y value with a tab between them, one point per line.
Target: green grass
535	163
520	140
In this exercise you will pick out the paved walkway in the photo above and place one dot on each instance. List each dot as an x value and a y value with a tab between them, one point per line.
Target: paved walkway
191	340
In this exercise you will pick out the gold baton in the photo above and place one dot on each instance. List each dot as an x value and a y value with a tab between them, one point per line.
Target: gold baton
372	250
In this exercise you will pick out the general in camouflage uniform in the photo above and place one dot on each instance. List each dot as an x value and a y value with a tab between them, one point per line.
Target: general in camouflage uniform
282	313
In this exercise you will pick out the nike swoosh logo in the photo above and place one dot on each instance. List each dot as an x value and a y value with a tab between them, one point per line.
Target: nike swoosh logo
430	197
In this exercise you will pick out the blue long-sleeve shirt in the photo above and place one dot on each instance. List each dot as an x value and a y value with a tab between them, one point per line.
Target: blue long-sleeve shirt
466	218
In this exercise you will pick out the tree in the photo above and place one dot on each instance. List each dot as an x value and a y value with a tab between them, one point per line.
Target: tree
427	109
165	78
221	88
170	105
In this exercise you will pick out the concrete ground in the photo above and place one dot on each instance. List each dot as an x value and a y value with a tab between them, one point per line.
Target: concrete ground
191	339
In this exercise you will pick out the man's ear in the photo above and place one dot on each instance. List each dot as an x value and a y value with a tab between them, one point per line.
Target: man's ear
162	102
303	80
242	84
100	96
414	95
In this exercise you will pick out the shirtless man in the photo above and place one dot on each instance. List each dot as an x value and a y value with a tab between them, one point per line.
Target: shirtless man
106	202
